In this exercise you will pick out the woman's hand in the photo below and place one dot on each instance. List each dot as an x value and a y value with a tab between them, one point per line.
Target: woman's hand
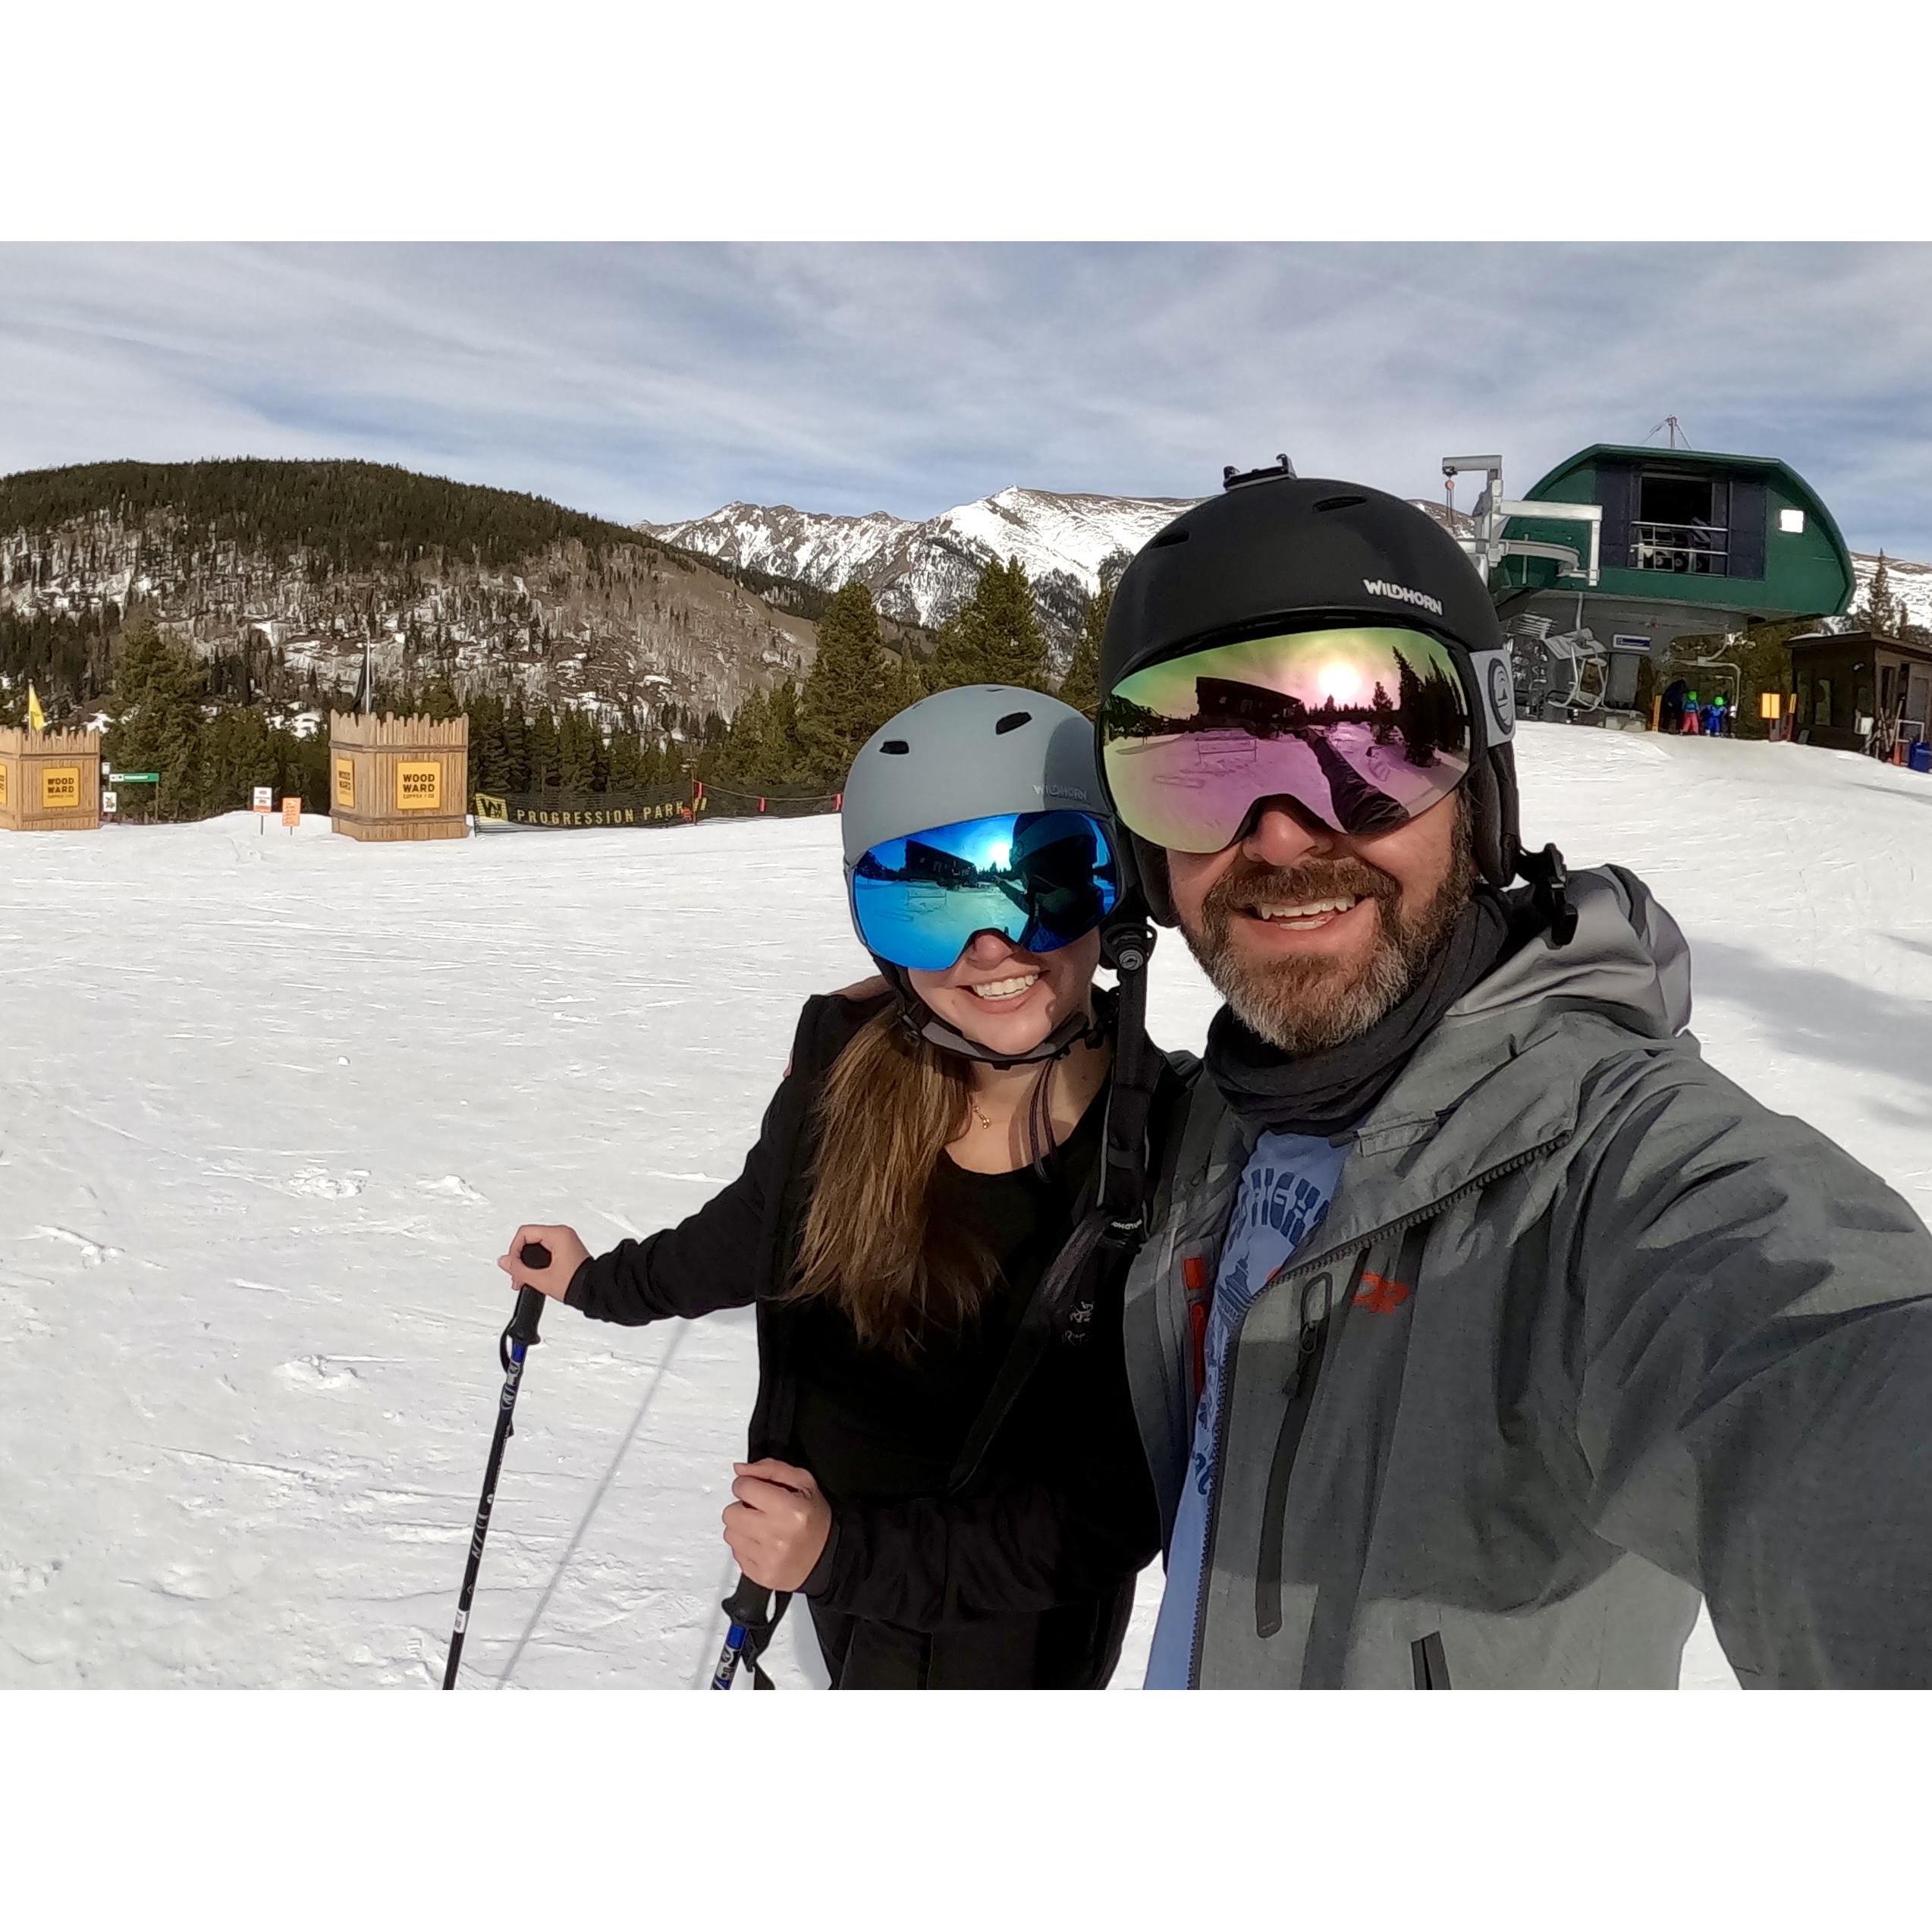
567	1254
778	1527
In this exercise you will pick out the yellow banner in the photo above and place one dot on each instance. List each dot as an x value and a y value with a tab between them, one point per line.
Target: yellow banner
36	718
345	784
495	809
3	781
420	788
60	788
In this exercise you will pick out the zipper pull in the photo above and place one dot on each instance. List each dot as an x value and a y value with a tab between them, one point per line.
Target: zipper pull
1313	1328
1310	1340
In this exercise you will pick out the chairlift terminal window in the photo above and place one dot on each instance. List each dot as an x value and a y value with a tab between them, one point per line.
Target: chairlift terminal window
1791	522
1680	525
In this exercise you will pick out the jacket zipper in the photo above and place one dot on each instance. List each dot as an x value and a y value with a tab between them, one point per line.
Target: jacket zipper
1310	1353
1289	1270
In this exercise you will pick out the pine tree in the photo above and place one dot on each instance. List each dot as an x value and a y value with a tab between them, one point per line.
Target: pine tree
905	682
1881	617
1080	687
543	752
785	757
995	638
489	757
626	759
848	695
156	700
575	764
516	747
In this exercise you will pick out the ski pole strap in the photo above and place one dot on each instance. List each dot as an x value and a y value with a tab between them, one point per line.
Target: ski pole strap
754	1616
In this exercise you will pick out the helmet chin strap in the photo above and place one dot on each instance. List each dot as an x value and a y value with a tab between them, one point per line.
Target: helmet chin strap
919	1020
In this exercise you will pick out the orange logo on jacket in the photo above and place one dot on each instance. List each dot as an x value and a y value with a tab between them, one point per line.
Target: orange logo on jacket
1380	1296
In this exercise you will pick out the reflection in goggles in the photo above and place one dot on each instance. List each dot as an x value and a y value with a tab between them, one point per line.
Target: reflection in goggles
1040	880
1364	729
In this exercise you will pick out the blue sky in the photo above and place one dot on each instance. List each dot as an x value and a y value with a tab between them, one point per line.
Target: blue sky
660	380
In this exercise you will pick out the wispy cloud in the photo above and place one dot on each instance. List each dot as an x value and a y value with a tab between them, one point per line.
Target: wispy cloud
659	380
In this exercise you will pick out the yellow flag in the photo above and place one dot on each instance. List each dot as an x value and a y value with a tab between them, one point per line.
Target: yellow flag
35	717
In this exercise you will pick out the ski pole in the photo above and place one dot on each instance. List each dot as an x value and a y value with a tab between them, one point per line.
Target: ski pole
514	1342
752	1621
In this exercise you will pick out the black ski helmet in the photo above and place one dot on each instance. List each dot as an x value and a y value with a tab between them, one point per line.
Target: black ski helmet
1274	548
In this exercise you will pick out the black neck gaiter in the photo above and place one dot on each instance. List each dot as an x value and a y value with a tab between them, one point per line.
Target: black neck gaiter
1327	1093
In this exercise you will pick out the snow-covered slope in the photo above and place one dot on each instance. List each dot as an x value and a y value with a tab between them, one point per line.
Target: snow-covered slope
920	572
264	1134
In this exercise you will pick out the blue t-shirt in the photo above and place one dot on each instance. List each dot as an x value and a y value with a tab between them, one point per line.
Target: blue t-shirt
1285	1189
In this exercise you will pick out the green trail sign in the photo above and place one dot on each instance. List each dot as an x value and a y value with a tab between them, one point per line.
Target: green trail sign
133	777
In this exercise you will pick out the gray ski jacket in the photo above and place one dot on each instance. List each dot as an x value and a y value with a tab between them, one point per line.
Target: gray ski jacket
1586	1332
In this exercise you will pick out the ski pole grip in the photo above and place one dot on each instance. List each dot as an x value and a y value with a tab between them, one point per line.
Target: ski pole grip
529	1300
529	1310
749	1604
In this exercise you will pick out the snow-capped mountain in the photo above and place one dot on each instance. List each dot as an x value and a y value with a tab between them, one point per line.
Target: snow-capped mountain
1911	586
920	572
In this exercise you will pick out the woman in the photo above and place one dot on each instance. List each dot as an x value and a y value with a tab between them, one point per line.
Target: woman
945	1461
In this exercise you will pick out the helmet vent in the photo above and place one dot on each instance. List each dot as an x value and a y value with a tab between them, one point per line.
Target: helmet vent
1012	721
1339	502
895	748
1170	536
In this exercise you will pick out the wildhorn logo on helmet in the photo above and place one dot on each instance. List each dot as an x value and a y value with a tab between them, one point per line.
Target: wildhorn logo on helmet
1377	587
1502	692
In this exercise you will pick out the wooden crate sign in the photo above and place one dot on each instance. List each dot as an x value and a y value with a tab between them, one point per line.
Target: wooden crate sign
50	781
403	778
420	788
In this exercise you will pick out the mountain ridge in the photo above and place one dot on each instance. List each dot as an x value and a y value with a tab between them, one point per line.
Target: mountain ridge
921	571
310	561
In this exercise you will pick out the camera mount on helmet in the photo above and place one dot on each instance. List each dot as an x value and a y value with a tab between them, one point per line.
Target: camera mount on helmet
1233	476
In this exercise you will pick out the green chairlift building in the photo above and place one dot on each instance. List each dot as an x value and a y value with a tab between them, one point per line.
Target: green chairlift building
1622	549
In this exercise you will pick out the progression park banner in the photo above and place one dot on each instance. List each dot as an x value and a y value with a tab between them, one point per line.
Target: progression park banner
661	804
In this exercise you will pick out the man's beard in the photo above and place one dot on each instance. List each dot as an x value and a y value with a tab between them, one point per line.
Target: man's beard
1305	1006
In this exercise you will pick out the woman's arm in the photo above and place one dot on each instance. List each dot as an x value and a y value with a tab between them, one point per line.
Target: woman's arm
932	1562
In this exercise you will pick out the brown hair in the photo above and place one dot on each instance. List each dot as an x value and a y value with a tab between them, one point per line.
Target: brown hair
889	1107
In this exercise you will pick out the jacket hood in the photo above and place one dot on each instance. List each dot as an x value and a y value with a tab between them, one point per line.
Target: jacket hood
1629	959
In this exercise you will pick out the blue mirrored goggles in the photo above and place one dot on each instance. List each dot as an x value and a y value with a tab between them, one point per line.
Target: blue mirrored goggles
1041	880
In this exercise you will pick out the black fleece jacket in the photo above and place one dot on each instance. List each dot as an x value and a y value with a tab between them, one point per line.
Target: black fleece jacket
1026	1577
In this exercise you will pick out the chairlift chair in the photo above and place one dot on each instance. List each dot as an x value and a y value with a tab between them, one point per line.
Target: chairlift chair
1568	672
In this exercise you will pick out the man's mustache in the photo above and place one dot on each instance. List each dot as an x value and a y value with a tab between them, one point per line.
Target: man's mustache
1246	886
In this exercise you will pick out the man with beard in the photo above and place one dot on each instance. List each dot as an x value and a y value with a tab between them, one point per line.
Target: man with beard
1482	1326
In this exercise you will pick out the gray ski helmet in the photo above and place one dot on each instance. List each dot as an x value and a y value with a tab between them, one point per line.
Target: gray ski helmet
974	752
971	752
